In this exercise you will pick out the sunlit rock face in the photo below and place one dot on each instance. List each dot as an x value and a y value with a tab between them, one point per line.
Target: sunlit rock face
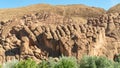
39	36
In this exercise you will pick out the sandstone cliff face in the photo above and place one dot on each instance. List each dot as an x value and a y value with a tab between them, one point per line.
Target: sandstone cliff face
40	36
111	24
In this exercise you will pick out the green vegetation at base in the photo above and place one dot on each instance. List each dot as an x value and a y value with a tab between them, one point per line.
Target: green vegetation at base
117	58
10	64
43	64
65	62
29	63
95	62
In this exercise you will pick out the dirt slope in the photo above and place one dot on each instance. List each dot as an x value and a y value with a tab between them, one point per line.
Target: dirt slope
66	10
114	9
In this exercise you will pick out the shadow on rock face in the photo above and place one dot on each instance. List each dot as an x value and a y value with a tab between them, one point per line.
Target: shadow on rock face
49	45
13	52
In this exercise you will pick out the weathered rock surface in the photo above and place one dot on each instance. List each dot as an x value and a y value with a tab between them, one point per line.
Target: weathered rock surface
41	36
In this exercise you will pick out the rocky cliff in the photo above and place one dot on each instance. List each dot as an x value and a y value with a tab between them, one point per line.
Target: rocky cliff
43	35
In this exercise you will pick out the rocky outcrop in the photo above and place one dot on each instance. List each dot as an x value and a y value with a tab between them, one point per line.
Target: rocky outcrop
110	22
41	36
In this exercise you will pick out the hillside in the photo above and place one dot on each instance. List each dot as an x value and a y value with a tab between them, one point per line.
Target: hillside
114	9
65	10
42	31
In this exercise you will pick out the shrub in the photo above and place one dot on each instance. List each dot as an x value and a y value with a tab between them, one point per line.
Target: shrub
66	62
29	63
50	63
95	62
116	65
117	58
103	62
43	64
10	64
88	62
0	66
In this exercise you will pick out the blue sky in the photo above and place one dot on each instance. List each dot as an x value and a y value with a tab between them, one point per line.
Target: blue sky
19	3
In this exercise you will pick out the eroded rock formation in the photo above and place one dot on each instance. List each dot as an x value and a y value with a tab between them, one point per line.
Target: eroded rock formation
40	36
